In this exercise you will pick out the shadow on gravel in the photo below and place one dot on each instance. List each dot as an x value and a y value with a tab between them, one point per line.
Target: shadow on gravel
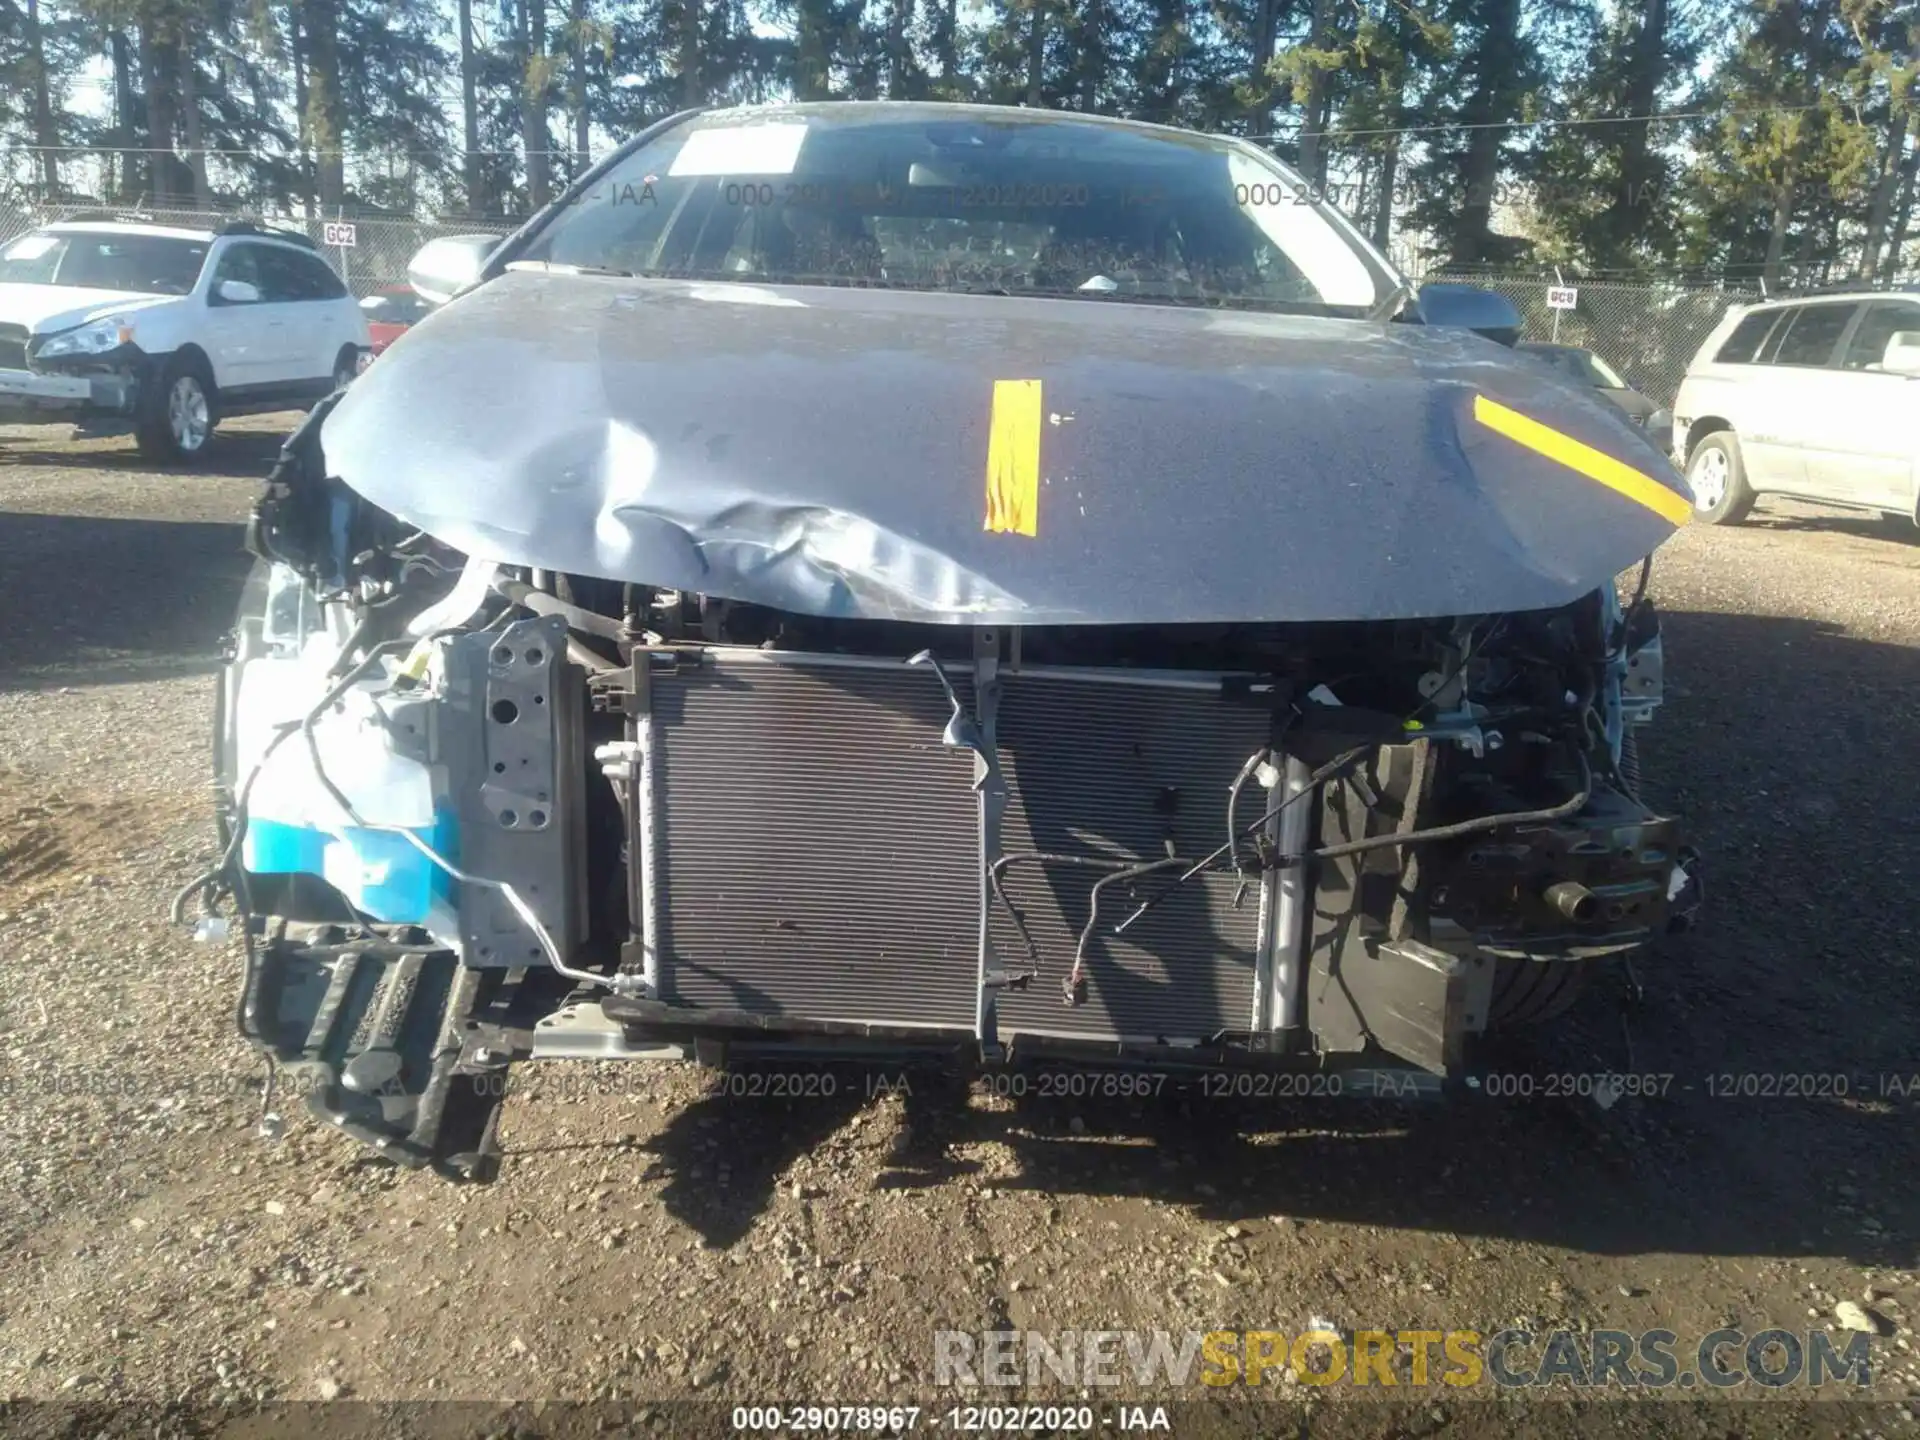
1890	529
236	455
1780	1036
757	1140
102	601
1649	1177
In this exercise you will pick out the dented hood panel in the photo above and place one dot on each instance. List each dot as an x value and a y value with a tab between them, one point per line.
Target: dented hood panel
826	451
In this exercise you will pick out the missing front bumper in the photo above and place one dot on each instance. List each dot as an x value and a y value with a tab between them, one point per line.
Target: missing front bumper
409	1053
28	397
792	856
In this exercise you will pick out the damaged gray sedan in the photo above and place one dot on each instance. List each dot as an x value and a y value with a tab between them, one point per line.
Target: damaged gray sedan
899	581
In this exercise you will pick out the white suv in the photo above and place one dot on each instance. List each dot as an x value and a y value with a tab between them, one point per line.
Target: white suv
1817	398
122	327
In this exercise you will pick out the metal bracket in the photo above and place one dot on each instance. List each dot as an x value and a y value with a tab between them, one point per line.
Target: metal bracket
1285	899
643	869
583	1032
991	786
1643	683
518	778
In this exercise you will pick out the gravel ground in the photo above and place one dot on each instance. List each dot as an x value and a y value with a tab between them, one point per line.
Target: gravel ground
649	1240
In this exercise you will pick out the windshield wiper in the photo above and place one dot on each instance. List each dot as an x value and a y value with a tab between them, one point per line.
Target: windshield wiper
556	267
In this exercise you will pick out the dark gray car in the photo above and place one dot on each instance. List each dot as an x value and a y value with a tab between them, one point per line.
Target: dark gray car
899	580
1583	367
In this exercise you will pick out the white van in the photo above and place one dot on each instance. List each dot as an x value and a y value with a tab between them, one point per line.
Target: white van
1817	398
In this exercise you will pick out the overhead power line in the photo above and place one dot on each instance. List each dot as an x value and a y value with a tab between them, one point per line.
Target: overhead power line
108	147
1653	119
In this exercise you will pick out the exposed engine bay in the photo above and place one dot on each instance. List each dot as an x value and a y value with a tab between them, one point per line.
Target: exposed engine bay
476	811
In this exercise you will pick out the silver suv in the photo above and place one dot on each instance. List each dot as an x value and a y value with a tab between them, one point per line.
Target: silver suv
1815	398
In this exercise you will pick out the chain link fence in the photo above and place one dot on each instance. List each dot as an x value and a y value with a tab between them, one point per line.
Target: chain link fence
1648	332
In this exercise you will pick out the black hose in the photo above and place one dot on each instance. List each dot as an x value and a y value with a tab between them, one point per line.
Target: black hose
1314	781
177	911
1319	777
1469	827
1233	805
1040	857
354	642
1134	872
1633	605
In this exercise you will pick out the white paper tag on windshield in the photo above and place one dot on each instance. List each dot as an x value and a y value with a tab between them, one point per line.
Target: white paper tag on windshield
765	149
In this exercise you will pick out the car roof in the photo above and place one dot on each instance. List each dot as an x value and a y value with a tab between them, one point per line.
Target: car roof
127	227
1834	297
882	110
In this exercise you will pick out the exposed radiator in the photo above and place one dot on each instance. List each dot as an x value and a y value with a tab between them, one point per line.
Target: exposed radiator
1113	770
13	347
816	844
817	847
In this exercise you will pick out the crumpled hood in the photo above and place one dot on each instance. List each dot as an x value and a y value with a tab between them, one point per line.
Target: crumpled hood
44	309
855	452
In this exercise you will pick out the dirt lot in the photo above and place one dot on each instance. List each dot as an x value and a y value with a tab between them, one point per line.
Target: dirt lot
656	1241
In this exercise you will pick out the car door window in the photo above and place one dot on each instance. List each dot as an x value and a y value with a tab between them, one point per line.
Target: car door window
1815	330
282	280
296	275
238	262
320	278
1743	344
1879	325
1770	347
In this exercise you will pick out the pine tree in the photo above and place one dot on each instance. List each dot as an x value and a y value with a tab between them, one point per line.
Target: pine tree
1491	83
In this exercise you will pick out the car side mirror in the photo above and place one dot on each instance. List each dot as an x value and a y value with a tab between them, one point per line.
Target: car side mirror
1903	353
239	292
1468	307
442	268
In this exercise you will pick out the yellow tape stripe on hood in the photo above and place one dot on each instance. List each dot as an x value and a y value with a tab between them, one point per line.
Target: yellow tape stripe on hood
1013	458
1594	464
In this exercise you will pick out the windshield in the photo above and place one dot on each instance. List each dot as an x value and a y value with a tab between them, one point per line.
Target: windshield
1581	365
1604	375
104	260
1004	201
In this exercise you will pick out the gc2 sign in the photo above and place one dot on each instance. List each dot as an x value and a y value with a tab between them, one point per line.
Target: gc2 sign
336	232
1562	297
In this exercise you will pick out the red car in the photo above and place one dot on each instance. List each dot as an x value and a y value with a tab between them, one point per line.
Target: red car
389	312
